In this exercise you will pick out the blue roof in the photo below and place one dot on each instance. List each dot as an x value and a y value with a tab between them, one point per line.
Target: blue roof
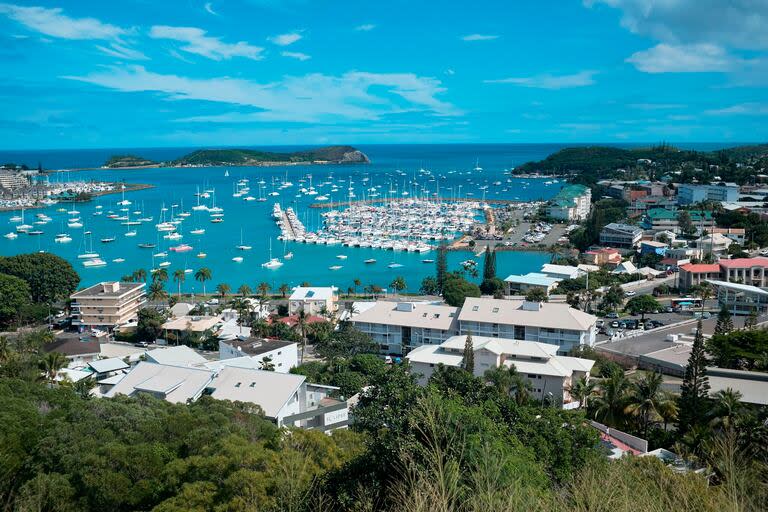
533	278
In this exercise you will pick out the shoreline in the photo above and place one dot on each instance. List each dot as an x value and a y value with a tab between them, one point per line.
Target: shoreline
164	165
132	187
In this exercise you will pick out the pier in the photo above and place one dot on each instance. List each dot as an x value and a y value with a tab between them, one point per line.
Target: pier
383	200
291	228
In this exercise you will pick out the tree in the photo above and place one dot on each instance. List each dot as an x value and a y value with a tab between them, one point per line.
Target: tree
244	290
51	363
398	284
492	286
223	289
536	295
179	277
14	296
263	288
266	364
694	391
750	322
429	286
644	399
50	278
724	322
610	403
581	390
456	289
156	291
613	298
489	263
441	267
301	326
685	223
284	289
202	275
642	305
468	358
149	326
160	276
139	275
356	284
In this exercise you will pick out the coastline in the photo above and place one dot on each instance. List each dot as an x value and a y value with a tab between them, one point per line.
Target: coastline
205	166
129	187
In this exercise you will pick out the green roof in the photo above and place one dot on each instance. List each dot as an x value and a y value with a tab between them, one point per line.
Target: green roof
664	214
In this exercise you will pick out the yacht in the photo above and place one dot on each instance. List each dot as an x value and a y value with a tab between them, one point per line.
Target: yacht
62	238
94	262
108	240
237	259
147	246
334	267
164	264
394	265
197	232
369	261
118	260
272	263
11	235
181	248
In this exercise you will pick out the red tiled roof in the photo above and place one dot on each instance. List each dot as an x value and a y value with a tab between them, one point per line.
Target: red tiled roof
700	268
292	320
745	262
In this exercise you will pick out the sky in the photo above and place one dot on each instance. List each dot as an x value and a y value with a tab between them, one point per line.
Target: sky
148	73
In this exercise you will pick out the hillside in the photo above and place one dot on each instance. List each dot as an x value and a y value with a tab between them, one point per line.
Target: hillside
596	158
120	161
330	154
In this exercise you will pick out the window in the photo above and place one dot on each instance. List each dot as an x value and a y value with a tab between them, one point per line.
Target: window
238	384
475	308
495	310
533	376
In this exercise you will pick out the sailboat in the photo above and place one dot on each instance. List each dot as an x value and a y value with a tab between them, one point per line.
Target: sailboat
273	262
477	165
242	246
124	202
89	252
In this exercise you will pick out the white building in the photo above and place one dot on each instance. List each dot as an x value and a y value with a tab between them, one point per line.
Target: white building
561	271
282	354
543	322
313	300
573	202
548	374
688	193
180	355
175	384
398	327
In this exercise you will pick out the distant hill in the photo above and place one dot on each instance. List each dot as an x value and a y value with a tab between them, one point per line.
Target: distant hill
330	154
122	161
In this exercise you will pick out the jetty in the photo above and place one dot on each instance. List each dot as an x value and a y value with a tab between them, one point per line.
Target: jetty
385	200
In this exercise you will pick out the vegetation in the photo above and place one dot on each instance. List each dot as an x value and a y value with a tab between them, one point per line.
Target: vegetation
50	277
740	350
121	161
537	295
456	289
604	211
330	154
642	305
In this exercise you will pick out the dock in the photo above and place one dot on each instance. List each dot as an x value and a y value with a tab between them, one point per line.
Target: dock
341	204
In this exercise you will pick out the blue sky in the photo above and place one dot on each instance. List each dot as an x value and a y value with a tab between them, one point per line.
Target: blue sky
202	73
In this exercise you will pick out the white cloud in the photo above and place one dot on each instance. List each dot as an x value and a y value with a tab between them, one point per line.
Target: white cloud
547	81
121	52
479	37
209	8
52	22
199	43
296	55
367	27
695	58
315	97
743	109
285	39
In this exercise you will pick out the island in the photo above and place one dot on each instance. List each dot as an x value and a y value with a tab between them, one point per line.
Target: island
249	157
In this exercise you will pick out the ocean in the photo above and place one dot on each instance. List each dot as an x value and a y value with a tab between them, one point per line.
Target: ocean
450	166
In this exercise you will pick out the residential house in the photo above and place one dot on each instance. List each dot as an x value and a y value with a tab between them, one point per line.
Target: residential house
561	271
107	304
313	300
179	355
661	219
544	322
282	354
105	368
573	202
693	274
751	271
78	349
620	235
175	384
714	243
736	234
652	247
602	257
549	374
516	284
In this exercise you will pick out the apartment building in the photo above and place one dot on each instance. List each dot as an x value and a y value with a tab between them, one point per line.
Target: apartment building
748	271
543	322
620	235
573	202
688	193
282	354
107	304
313	300
398	327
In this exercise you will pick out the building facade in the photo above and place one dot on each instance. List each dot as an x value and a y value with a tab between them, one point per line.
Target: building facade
620	235
573	202
313	300
107	304
688	193
283	355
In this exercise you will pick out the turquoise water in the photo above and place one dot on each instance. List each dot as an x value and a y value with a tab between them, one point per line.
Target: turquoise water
449	168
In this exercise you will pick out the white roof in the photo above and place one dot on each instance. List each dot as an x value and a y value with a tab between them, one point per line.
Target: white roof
108	365
121	350
72	375
432	354
511	312
625	267
560	270
738	287
180	355
313	292
111	381
177	384
420	315
269	390
503	346
230	330
239	362
181	309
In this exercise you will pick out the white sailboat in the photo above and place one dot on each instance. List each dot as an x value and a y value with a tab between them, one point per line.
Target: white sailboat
242	246
88	253
273	262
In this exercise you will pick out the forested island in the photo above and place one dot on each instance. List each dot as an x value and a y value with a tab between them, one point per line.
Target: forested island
248	157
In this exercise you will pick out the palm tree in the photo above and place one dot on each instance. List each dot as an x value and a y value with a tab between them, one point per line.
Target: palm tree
667	408
156	291
267	365
203	275
51	363
223	289
284	289
357	283
263	288
179	277
244	290
301	326
610	403
160	276
139	275
243	308
581	390
398	284
644	398
727	409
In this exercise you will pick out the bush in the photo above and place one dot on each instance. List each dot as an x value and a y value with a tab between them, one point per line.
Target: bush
457	289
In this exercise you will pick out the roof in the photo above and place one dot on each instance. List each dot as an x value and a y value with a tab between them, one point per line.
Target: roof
431	354
563	270
420	315
192	323
293	320
72	375
534	279
107	289
652	243
269	390
73	345
745	262
180	355
738	287
177	384
616	226
240	362
753	386
181	309
512	312
604	250
625	267
700	268
661	213
255	347
313	293
503	346
108	365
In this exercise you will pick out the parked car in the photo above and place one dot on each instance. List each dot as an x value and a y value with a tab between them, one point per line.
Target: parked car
615	324
631	324
612	315
141	344
599	323
631	293
668	309
622	325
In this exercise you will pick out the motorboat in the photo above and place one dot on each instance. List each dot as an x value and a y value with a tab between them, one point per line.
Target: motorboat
335	267
94	262
237	259
181	248
369	261
118	260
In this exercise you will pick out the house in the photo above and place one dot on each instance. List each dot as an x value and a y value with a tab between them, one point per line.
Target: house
601	257
573	202
688	193
620	235
282	354
652	247
196	324
693	274
714	243
104	368
515	284
398	327
543	322
313	300
175	384
107	304
625	267
662	219
736	234
78	349
548	374
561	271
180	355
181	309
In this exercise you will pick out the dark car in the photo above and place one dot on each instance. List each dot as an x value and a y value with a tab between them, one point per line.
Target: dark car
631	324
612	315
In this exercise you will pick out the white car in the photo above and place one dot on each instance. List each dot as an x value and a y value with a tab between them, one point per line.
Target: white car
631	293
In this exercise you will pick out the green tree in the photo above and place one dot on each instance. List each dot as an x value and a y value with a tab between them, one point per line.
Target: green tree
685	223
14	296
51	363
724	323
139	275
266	364
244	290
150	325
160	276
456	289
179	277
694	391
492	286
50	277
581	390
263	288
356	284
537	295
398	284
223	289
642	305
156	291
202	275
429	286
441	267
284	289
489	263
644	400
750	322
468	357
611	400
613	298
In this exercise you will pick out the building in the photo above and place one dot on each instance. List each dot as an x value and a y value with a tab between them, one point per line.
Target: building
620	235
548	374
714	243
104	368
662	219
180	355
741	299
542	322
750	271
520	285
107	304
688	193
282	354
78	349
602	257
738	235
653	247
693	274
561	271
313	300
398	327
175	384
573	202
12	180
